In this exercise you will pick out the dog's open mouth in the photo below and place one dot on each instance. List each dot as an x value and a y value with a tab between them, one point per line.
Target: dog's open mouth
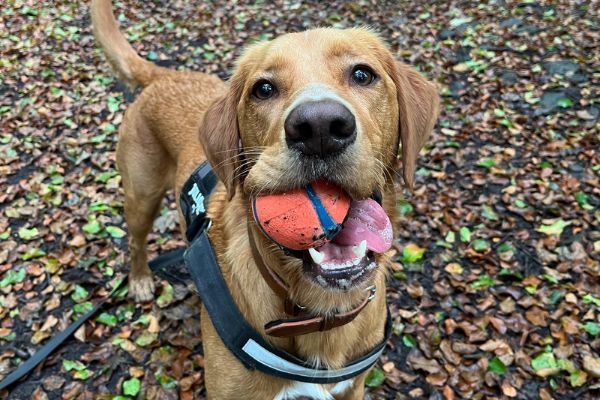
349	258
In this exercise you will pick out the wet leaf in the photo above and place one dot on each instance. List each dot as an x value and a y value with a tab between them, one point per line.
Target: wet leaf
412	253
375	377
497	367
593	328
555	228
28	233
107	319
115	232
465	234
131	387
13	276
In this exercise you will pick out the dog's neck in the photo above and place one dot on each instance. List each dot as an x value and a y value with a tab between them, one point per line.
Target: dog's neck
259	304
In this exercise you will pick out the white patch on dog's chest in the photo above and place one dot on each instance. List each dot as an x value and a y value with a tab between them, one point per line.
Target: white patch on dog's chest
313	391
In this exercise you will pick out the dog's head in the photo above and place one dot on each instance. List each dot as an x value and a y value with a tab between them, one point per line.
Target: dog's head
322	104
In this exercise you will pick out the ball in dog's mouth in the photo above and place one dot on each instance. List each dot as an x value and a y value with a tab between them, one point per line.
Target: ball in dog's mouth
349	258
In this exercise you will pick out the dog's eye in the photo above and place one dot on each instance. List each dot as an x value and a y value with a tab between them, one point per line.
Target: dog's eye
362	75
263	90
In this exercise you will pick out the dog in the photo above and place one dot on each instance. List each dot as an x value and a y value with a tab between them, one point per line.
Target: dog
323	104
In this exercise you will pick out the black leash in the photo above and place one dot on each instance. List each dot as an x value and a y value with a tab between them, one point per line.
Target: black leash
161	262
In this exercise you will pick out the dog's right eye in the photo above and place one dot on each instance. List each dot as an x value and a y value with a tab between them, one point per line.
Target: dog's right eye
263	90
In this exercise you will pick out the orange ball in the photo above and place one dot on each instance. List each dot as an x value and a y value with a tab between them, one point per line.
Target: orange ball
302	218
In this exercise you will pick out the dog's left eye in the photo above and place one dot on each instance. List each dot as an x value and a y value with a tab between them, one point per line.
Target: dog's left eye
362	75
263	90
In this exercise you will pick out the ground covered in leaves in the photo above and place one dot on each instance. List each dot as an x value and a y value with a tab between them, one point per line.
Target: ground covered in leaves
495	290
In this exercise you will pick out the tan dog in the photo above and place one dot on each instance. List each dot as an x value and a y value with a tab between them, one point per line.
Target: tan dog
321	104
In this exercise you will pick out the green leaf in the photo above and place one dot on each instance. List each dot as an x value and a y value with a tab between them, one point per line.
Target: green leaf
544	360
28	234
488	213
588	299
577	378
582	200
82	375
409	341
520	203
593	328
555	297
375	378
496	366
113	104
12	276
465	234
499	112
73	365
92	227
564	102
166	296
115	232
32	253
412	253
450	237
131	387
555	228
483	281
79	294
146	338
105	176
404	207
107	319
152	56
486	162
480	245
165	380
82	308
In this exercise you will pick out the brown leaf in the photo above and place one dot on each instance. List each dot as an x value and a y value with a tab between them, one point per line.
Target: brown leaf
53	383
591	365
417	361
508	389
39	394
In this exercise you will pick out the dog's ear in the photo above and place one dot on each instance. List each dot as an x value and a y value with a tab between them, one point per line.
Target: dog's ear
418	103
220	138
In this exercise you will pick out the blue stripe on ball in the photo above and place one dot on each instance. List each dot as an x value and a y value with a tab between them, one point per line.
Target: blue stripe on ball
330	227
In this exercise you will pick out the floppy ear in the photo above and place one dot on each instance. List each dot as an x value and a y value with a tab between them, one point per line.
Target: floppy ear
418	103
220	139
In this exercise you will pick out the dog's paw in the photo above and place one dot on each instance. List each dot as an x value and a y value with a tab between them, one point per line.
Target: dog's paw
141	288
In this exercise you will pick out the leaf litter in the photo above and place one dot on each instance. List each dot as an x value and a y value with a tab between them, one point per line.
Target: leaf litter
495	284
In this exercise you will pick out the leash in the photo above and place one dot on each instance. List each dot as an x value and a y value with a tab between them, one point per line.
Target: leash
163	261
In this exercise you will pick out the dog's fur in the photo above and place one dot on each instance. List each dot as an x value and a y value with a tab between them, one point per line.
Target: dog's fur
182	118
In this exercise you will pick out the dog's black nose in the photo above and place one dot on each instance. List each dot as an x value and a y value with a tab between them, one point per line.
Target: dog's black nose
320	128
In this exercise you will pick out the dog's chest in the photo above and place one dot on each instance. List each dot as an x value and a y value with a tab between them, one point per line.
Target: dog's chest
312	391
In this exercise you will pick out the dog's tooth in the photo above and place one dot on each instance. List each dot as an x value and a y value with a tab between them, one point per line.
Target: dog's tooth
316	256
361	249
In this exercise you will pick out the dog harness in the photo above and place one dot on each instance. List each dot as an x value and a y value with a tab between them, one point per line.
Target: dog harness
242	340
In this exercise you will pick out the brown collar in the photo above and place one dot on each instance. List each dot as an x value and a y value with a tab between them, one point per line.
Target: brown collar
302	322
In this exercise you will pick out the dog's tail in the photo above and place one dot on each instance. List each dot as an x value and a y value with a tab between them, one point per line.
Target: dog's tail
132	69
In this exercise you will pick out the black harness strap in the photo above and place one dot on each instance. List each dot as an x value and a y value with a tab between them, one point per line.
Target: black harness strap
243	341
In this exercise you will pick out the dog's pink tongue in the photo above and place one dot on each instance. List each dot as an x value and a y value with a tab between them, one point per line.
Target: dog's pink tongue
366	221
